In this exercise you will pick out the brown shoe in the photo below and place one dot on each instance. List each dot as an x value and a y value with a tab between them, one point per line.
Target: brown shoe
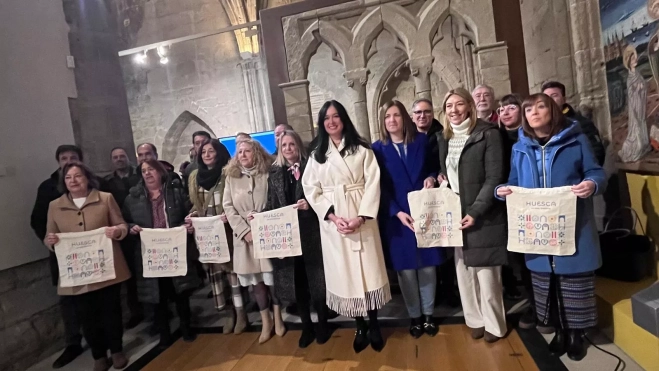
119	361
491	338
477	333
102	364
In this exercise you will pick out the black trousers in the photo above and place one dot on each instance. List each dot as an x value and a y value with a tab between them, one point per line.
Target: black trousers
303	295
182	300
67	304
100	315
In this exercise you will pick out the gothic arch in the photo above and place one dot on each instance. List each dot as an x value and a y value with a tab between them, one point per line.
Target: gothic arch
175	131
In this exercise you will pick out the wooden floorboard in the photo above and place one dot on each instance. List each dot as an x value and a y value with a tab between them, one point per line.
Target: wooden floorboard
452	349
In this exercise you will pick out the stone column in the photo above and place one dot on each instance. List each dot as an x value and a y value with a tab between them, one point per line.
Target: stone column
357	80
298	108
257	94
421	69
590	81
493	67
466	52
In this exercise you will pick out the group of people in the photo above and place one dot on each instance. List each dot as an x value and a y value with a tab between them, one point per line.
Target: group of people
351	198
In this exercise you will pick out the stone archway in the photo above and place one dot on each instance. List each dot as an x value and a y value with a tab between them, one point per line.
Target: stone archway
170	143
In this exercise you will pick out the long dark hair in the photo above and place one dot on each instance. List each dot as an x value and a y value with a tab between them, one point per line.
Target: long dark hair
222	155
352	139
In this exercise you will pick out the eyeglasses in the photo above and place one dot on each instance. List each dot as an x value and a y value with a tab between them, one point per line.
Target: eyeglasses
425	112
510	107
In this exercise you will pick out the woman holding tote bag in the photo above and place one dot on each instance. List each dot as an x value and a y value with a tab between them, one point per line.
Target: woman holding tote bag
342	185
159	202
206	188
402	154
471	158
83	208
245	193
299	279
552	152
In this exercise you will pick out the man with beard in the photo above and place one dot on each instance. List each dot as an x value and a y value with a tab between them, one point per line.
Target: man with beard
484	97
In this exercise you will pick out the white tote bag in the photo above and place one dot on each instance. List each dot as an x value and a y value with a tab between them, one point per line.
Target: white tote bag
276	233
84	258
542	220
164	252
211	239
437	214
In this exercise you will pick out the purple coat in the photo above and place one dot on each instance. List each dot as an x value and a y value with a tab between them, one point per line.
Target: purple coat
397	179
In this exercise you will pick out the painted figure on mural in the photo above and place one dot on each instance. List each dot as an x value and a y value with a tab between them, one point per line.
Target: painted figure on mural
637	143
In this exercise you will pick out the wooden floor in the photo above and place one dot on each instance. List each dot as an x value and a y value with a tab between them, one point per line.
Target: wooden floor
451	349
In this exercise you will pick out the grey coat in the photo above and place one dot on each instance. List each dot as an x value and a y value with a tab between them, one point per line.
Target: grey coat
480	170
137	211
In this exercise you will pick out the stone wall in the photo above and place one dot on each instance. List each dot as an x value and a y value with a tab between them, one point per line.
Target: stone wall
31	326
546	26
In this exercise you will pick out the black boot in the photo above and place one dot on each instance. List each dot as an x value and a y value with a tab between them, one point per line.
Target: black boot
529	319
70	353
416	327
374	334
429	326
576	350
361	339
558	345
187	333
308	334
323	331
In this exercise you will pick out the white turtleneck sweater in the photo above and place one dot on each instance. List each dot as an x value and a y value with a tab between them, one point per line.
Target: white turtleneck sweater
455	146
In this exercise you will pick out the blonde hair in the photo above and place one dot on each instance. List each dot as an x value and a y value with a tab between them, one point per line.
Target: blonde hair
409	128
280	160
471	114
627	56
261	159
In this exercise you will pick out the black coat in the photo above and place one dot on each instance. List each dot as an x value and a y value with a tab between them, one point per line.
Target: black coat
480	170
119	187
433	159
137	211
46	193
312	255
590	130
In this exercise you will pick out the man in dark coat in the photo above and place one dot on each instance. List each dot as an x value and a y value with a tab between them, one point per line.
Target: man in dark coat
119	183
556	91
47	192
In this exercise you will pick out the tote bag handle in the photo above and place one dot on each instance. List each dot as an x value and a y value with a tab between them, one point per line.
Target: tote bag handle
634	215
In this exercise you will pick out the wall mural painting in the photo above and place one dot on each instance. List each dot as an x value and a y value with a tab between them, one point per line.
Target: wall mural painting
630	36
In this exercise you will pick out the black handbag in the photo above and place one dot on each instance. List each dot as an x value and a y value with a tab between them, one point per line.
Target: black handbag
626	256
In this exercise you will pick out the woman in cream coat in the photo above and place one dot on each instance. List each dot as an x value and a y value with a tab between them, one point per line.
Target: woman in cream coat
246	193
342	185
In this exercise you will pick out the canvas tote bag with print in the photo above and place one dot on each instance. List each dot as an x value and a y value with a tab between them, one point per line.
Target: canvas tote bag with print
164	252
211	240
84	258
542	220
276	233
437	214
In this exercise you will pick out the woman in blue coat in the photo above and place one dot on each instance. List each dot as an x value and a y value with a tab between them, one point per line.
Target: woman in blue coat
402	154
552	152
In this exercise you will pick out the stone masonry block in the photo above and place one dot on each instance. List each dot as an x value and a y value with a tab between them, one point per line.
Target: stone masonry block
20	304
297	93
32	272
298	109
494	75
493	58
300	123
168	7
17	341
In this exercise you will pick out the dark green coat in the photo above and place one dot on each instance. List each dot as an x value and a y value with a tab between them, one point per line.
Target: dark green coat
480	170
137	211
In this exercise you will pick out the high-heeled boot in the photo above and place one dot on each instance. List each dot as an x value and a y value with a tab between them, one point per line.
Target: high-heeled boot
268	326
374	334
558	345
241	321
361	336
576	350
280	327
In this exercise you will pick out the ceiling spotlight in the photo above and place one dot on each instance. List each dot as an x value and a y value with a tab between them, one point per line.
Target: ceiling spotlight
164	60
141	58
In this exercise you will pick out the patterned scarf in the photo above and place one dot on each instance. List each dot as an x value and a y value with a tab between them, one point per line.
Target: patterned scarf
295	170
158	212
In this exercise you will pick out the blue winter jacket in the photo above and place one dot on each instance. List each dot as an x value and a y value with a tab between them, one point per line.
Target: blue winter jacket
565	160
